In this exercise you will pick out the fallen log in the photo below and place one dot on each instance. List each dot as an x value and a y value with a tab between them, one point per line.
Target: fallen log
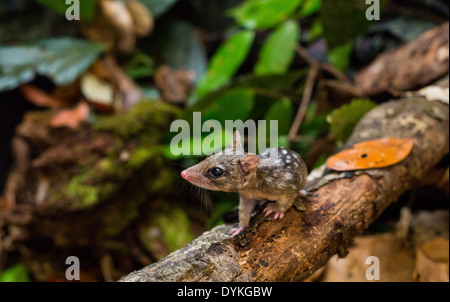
408	67
339	207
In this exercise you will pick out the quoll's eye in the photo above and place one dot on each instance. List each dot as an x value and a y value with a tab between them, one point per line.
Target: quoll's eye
216	172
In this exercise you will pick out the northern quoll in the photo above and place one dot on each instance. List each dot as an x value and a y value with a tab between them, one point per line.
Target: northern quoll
278	178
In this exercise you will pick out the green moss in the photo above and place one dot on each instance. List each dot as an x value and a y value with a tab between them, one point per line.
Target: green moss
169	226
147	116
107	166
138	132
140	156
83	193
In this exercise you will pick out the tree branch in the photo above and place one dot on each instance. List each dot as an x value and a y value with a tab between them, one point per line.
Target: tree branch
339	207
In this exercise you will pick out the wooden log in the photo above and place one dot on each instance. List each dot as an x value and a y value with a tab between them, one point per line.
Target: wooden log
340	206
410	66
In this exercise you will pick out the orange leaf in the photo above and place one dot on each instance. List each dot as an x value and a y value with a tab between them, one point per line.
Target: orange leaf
371	154
40	98
71	117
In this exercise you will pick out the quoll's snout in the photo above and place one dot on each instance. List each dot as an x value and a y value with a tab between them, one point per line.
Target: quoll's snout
185	174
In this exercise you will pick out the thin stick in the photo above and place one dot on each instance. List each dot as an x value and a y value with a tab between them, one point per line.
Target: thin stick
302	52
309	87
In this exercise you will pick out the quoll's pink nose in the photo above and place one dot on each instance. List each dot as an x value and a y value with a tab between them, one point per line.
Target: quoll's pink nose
184	174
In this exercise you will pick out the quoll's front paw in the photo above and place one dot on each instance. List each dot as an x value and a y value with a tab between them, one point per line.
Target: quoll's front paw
235	231
273	208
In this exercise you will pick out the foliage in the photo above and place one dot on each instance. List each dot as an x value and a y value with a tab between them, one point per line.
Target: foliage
263	14
87	7
279	49
62	59
225	62
158	7
343	119
243	61
182	48
17	273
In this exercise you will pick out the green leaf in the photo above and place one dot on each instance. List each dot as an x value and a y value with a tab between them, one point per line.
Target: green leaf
226	62
310	7
222	207
87	7
63	60
343	20
343	120
340	56
281	111
176	228
270	86
182	48
17	273
278	50
140	66
234	104
316	30
158	7
195	146
263	14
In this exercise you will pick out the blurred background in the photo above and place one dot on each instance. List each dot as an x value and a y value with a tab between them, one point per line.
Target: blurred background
86	107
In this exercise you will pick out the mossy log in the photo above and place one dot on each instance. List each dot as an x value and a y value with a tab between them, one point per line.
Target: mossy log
77	191
339	207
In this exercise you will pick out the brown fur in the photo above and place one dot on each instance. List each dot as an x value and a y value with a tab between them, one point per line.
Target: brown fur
254	177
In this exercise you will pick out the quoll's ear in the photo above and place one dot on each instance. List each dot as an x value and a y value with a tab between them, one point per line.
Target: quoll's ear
237	142
249	163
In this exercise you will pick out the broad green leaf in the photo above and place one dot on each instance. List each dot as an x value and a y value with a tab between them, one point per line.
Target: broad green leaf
343	120
87	7
17	273
314	124
182	48
263	14
158	7
343	20
196	143
226	62
234	104
278	50
63	60
271	86
282	112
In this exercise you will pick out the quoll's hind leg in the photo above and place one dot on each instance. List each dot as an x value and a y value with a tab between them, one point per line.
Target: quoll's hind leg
246	206
279	207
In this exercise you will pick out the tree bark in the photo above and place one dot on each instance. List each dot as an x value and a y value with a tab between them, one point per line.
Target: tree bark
339	207
409	67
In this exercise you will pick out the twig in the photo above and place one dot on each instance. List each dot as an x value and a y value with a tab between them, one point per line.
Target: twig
106	266
302	52
309	87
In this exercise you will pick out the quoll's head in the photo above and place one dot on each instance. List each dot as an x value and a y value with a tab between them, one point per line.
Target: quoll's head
227	171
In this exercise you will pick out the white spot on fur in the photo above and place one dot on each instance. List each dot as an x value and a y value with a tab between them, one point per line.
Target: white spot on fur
284	151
